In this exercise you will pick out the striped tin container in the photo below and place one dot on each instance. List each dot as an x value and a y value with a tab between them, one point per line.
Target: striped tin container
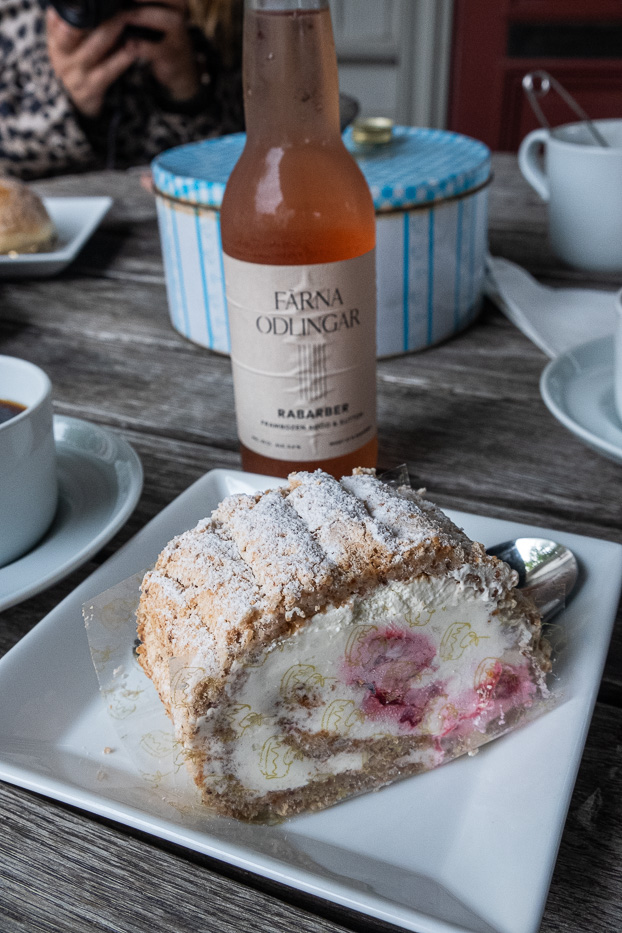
430	191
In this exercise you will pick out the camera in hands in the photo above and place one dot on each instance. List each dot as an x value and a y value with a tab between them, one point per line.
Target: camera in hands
89	14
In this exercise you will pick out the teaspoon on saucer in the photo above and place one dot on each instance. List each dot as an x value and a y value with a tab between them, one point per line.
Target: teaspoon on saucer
547	571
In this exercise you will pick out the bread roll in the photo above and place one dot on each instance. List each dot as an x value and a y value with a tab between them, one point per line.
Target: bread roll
25	225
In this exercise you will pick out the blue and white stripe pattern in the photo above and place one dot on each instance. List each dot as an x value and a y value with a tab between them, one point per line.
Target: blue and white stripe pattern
198	172
430	271
190	240
431	199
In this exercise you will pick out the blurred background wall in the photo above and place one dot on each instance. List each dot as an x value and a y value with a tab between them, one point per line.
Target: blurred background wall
394	57
458	64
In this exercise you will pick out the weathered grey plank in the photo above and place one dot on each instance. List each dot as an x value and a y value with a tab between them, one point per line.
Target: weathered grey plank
457	414
586	886
144	885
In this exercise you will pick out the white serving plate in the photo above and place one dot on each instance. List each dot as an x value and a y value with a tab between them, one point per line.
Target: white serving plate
577	388
75	219
468	847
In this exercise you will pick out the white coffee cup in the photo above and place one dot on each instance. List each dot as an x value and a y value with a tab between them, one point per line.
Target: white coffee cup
617	359
28	482
582	183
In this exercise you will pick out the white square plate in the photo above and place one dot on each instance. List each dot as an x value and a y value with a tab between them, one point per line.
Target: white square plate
75	219
468	847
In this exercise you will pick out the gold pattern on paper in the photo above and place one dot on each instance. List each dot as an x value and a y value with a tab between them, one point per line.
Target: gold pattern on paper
556	635
181	681
102	656
119	707
113	615
340	715
355	640
458	637
158	743
131	694
182	809
419	618
487	672
155	778
301	675
243	717
277	757
183	754
438	721
124	693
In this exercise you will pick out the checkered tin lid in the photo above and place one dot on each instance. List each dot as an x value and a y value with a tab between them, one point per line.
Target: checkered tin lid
419	167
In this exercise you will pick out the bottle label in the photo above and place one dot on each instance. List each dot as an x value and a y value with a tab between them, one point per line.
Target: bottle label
303	351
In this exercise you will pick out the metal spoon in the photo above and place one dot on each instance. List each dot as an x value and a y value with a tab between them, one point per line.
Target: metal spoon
537	84
547	571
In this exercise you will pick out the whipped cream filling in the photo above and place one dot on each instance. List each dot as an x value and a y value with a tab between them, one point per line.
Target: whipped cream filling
425	658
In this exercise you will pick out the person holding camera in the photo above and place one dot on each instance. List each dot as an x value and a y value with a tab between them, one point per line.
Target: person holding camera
88	84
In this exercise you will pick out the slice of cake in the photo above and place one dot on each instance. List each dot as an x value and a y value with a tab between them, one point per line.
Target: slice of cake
328	637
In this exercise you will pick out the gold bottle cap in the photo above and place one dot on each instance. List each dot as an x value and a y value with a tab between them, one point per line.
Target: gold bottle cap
372	131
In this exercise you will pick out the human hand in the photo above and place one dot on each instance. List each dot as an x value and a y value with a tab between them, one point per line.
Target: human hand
87	63
172	58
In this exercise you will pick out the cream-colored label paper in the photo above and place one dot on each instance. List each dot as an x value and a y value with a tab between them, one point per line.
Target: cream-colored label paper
303	350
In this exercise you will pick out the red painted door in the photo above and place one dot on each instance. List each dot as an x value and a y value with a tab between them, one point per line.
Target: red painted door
496	42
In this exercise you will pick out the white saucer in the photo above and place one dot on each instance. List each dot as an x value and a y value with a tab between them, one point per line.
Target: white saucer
75	220
577	387
100	480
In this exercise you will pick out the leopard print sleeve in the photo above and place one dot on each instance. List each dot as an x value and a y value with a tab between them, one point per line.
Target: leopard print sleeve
146	122
40	133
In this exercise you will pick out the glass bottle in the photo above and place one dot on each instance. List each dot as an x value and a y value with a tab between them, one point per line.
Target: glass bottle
298	235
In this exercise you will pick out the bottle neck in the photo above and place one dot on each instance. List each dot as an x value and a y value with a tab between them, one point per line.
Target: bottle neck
291	84
286	6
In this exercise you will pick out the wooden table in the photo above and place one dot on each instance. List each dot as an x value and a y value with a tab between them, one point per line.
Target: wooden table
468	419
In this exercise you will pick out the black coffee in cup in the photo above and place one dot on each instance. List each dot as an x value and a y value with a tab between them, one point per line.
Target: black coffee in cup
9	409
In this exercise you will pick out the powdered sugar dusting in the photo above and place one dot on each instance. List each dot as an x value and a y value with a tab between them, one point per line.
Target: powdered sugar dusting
403	514
285	559
437	517
205	593
339	522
